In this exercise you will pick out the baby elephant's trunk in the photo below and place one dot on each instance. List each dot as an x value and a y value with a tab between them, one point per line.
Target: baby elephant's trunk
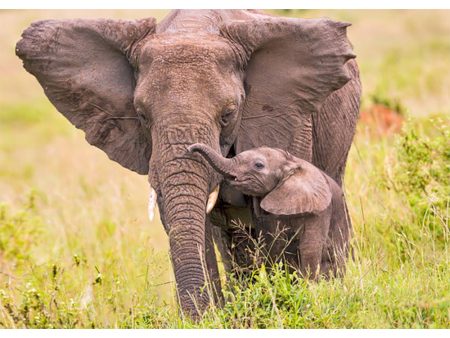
224	166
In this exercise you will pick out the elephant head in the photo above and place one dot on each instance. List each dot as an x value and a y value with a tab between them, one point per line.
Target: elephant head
143	92
287	185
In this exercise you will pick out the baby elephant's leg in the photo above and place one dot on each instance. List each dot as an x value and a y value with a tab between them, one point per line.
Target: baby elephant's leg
312	244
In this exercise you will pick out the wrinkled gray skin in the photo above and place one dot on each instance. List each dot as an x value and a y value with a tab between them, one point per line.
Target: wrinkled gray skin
311	231
231	79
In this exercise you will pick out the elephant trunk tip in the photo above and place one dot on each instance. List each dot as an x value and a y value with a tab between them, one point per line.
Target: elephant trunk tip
222	165
196	147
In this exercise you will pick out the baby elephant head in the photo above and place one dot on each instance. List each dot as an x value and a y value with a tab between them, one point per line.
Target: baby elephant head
287	184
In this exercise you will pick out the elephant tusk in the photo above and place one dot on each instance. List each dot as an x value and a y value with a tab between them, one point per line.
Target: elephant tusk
151	204
212	199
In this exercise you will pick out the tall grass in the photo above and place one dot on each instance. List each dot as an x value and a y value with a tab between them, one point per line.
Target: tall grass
82	258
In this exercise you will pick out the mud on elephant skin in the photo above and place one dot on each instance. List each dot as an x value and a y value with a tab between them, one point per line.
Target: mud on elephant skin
143	91
306	203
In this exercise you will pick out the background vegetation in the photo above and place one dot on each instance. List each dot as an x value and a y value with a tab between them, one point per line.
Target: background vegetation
76	248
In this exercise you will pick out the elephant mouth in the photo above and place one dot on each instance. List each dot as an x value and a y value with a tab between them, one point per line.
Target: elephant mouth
235	181
231	178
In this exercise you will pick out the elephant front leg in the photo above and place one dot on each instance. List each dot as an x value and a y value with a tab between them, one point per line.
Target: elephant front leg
310	255
312	244
235	239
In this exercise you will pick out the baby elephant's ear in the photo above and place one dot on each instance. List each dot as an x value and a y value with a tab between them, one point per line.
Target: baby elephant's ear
305	190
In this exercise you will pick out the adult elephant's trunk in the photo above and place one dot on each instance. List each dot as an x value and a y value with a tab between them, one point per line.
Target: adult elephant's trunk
221	164
183	184
185	216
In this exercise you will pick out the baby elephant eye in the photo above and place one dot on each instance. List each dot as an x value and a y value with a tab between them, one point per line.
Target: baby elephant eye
259	165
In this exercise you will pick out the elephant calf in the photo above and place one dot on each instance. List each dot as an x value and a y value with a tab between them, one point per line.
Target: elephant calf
302	214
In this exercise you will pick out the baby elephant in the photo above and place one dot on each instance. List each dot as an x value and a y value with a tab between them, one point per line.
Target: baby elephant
303	210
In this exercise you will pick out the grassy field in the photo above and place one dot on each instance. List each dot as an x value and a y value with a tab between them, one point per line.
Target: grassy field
76	248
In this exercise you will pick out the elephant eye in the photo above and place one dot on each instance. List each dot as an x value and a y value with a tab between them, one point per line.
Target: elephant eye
226	116
259	165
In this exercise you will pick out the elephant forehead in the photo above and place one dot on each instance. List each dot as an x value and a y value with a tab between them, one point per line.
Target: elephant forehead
169	48
271	153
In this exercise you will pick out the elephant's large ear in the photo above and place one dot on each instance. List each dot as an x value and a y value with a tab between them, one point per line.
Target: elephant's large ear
84	69
304	190
293	66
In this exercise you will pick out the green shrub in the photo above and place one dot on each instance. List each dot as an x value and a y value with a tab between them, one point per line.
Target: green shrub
422	174
19	231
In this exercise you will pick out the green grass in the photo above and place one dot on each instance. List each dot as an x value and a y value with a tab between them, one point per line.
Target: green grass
76	248
98	269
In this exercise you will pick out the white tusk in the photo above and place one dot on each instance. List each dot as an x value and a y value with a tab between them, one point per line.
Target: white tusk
212	199
151	204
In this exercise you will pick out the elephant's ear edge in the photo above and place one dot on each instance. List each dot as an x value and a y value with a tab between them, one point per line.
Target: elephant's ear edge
83	67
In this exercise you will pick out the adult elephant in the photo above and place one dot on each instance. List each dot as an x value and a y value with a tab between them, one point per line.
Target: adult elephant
231	79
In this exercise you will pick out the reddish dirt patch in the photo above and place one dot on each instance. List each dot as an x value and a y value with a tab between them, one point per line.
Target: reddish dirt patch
382	120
